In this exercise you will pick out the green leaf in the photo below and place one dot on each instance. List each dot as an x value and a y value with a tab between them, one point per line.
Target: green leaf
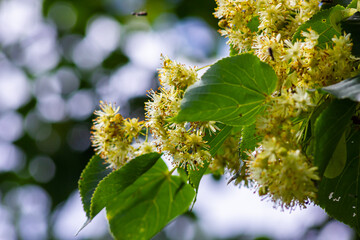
232	91
348	88
340	196
148	204
353	4
119	180
215	142
249	140
90	177
352	25
332	3
338	160
233	51
253	24
325	23
329	127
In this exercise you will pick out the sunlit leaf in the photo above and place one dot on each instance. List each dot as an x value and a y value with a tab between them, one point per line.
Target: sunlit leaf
352	4
253	24
119	180
325	23
232	91
143	208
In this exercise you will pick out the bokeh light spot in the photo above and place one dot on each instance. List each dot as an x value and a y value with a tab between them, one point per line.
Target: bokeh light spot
104	32
12	158
80	105
51	108
13	80
42	169
11	125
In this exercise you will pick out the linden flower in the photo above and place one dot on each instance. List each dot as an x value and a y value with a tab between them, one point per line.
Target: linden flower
185	144
294	181
293	52
310	36
174	74
342	48
302	99
309	8
271	15
106	111
112	135
195	142
204	126
283	174
342	40
263	43
133	127
146	147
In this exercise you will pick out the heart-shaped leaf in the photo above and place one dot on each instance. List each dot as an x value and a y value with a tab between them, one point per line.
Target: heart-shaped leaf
232	91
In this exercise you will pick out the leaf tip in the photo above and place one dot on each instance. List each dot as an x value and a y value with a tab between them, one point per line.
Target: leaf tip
83	226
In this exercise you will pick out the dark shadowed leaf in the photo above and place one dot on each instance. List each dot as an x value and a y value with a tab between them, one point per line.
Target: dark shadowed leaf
338	160
329	127
352	25
340	196
333	3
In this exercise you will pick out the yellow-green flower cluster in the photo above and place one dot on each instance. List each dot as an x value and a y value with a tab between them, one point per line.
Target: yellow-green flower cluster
275	17
176	75
228	159
280	167
184	142
112	135
282	172
304	63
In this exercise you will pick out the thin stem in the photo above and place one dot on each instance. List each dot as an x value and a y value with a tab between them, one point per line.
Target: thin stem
203	67
147	134
172	170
